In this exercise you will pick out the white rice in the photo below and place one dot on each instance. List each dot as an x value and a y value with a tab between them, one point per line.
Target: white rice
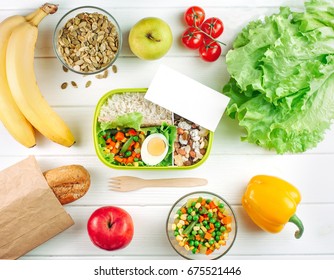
128	102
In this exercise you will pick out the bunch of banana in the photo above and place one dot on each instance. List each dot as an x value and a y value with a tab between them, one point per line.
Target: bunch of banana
22	106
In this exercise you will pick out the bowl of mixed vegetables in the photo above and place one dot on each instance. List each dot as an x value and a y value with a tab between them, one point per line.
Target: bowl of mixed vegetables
201	226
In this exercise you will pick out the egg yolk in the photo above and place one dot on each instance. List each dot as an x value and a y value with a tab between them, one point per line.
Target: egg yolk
156	146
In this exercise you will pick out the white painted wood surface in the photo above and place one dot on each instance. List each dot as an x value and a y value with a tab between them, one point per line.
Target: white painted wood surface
229	167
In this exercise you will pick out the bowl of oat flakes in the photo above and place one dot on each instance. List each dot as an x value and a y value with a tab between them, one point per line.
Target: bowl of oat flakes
87	40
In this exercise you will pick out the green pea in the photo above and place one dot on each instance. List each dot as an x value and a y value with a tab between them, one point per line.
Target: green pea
212	220
211	241
217	224
191	243
189	210
222	228
136	159
196	243
217	238
213	234
207	227
205	222
193	204
210	214
200	232
135	138
176	233
208	201
221	205
195	218
194	232
128	153
194	251
189	218
218	233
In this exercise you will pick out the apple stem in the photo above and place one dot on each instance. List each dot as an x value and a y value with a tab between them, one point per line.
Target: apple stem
110	224
149	36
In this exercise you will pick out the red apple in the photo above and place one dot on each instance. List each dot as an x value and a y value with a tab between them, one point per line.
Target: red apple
110	228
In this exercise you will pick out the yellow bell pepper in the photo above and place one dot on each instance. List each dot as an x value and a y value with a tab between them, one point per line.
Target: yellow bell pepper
271	203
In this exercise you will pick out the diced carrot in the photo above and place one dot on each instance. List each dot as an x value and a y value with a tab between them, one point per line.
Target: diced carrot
227	220
119	159
201	219
203	202
211	230
207	236
198	237
183	210
114	150
220	215
129	160
137	145
108	140
208	252
212	225
212	204
119	136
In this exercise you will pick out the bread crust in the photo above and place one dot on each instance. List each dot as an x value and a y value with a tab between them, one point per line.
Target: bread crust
69	182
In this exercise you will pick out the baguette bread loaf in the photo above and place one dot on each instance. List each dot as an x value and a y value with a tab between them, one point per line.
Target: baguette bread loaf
68	183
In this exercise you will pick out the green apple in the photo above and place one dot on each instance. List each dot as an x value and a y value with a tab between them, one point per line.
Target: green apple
150	38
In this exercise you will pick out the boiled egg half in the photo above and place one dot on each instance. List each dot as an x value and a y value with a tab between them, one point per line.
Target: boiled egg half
154	149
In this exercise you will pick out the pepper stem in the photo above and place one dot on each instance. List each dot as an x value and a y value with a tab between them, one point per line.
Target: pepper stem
294	219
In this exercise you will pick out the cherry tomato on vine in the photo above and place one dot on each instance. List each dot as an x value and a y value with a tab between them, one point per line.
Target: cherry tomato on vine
194	16
192	38
210	50
213	26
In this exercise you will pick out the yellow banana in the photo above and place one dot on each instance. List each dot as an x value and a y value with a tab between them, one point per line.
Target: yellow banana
10	114
22	80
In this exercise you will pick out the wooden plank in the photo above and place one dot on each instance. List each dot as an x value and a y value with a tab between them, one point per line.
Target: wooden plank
227	175
150	237
153	3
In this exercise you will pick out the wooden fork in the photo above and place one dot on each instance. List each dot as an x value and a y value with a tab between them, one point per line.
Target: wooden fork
129	183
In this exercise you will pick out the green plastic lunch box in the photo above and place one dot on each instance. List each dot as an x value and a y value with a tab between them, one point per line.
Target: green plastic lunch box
99	148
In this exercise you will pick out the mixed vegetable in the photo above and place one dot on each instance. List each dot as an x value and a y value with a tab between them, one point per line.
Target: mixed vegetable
202	225
123	145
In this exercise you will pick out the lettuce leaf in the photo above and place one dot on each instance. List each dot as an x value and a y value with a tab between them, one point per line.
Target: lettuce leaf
133	119
282	78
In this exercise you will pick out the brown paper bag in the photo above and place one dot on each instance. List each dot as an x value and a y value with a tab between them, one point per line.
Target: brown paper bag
30	214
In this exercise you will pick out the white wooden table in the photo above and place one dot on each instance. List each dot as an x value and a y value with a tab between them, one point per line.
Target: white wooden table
229	167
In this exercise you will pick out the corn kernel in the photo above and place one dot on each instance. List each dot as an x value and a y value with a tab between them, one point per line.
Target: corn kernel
222	242
179	225
204	228
196	228
207	244
181	243
183	217
198	205
179	238
186	247
217	245
173	226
